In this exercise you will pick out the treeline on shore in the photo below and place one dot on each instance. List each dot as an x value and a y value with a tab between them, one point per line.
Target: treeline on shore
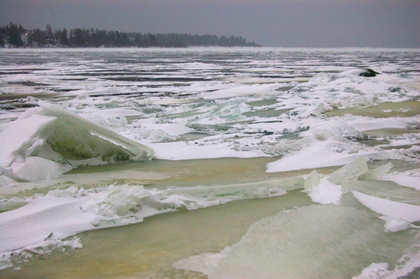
13	35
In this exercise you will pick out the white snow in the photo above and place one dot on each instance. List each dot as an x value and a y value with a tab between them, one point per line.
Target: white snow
18	135
408	179
245	103
399	213
321	154
241	90
192	150
47	141
322	191
59	214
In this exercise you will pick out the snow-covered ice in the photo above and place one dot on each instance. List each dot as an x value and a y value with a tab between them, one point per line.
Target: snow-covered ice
347	144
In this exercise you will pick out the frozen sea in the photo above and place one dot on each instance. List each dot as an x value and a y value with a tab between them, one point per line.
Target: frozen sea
209	163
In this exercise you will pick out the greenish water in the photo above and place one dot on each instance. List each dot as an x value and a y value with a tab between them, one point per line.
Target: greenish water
148	249
398	109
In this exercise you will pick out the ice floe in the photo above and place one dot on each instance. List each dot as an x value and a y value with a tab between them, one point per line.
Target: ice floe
47	141
42	221
316	241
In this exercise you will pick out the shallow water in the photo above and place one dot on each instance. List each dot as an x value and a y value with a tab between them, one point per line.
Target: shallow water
384	110
150	248
245	142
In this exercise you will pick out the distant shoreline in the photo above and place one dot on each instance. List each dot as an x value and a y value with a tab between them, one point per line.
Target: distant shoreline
16	36
262	48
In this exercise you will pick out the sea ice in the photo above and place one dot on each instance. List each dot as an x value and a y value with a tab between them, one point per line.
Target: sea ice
290	104
394	210
45	220
317	241
37	168
351	171
323	153
240	90
408	179
47	141
321	190
198	150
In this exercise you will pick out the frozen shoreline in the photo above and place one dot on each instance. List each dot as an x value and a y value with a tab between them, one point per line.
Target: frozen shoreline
63	110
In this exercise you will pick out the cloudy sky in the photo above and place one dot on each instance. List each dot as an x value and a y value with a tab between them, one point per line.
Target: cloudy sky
286	23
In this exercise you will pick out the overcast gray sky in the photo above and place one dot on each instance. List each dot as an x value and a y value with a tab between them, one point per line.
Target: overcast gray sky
286	23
